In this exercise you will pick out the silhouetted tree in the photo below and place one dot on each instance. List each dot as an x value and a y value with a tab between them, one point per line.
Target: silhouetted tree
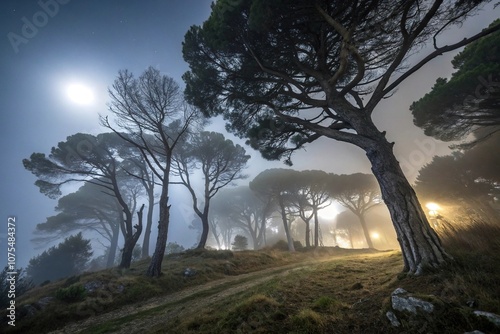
357	192
244	210
287	73
469	99
87	209
240	243
273	185
152	110
309	193
93	159
68	258
448	178
220	162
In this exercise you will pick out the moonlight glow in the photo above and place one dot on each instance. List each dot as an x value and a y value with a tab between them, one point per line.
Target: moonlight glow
80	94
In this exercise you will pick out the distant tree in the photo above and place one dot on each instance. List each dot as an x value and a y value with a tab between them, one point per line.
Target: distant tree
174	248
87	209
482	159
245	211
221	224
240	243
309	194
68	258
285	74
151	108
274	185
93	159
449	178
220	161
21	281
357	192
469	99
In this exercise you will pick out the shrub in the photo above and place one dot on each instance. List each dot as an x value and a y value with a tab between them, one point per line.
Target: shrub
70	294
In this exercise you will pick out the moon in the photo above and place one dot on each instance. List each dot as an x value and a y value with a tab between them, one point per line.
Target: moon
79	94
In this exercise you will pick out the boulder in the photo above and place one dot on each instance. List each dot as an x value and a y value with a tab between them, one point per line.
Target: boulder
393	319
494	318
402	301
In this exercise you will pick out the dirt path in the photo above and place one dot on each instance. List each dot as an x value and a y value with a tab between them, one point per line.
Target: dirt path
178	304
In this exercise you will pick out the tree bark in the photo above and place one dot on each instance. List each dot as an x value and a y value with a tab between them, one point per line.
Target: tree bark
316	228
131	241
362	222
289	239
149	224
420	245
154	269
204	232
113	246
308	234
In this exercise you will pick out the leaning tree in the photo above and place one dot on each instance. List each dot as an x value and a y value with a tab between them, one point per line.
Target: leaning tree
93	159
152	111
284	74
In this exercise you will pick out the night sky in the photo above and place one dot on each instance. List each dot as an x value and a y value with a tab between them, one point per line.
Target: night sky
89	41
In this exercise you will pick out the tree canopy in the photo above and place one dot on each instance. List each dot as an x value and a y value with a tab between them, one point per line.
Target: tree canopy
152	111
221	162
469	99
68	258
284	74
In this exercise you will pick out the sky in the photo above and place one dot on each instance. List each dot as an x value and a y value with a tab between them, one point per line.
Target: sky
48	45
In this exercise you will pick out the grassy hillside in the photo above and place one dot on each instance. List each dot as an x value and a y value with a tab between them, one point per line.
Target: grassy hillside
327	290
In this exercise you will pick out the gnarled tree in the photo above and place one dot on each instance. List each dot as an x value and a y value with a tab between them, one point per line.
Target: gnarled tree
287	73
151	109
220	161
93	159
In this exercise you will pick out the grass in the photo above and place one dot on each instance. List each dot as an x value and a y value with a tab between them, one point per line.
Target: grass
122	287
339	291
352	295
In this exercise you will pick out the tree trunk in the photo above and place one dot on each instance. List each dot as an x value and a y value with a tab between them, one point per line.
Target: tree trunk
420	245
308	234
154	269
204	232
289	239
131	241
362	222
149	224
128	249
316	228
113	246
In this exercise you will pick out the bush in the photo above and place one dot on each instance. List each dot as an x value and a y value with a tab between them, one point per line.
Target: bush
70	294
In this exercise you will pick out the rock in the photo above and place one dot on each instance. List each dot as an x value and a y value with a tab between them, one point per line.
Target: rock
474	332
393	319
401	301
92	286
29	310
357	286
494	318
189	272
42	303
